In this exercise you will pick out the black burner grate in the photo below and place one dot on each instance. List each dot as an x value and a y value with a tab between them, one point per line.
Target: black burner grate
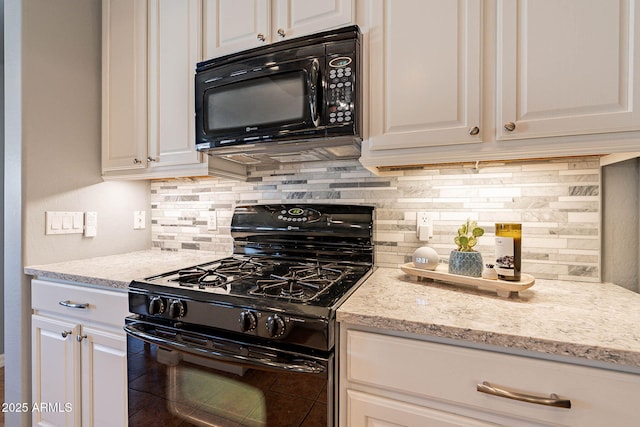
301	283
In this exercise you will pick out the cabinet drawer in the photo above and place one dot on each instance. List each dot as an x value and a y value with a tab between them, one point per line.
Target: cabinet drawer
451	374
88	304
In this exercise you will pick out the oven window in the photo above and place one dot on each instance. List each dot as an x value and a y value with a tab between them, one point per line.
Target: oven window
166	390
263	101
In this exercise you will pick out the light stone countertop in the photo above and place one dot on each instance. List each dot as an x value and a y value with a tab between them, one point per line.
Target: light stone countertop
116	271
595	321
599	322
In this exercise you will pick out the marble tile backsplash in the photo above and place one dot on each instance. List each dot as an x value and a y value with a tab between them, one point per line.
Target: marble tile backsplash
557	202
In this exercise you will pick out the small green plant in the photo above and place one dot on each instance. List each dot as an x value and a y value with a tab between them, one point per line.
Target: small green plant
468	235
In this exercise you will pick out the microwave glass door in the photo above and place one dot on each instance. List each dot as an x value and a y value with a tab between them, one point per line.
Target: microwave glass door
266	101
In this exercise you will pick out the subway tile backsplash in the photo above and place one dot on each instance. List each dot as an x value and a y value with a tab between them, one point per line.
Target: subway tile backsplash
557	201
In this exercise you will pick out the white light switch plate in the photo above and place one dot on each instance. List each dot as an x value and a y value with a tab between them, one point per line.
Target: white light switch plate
90	224
60	222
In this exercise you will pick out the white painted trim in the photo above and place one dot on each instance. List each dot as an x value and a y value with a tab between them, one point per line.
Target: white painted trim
617	157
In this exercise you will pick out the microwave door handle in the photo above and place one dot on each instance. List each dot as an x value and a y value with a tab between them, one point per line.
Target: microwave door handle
299	366
315	89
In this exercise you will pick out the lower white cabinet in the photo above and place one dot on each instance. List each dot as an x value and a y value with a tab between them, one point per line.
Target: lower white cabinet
79	356
392	381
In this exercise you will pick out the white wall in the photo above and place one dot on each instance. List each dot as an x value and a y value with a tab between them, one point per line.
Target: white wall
52	160
61	140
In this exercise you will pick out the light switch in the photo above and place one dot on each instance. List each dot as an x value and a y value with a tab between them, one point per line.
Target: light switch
78	221
57	222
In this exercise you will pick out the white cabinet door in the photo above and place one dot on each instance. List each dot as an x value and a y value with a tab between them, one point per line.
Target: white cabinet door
174	50
235	25
366	410
124	84
567	68
295	18
55	372
104	378
425	60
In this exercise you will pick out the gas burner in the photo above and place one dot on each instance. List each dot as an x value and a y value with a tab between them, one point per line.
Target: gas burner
220	275
200	277
302	283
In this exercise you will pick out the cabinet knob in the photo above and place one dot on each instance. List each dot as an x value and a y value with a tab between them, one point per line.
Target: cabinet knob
81	337
474	131
510	126
281	32
261	37
151	159
137	161
65	334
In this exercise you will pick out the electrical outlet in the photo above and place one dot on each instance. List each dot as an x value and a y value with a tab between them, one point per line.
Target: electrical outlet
139	222
212	220
424	226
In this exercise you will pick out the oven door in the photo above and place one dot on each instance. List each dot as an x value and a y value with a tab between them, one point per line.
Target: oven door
178	377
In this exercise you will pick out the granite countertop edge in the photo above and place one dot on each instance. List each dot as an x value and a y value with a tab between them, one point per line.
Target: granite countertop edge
392	301
565	325
116	271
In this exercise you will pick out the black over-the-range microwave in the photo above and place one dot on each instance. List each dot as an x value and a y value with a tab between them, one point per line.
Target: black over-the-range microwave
294	100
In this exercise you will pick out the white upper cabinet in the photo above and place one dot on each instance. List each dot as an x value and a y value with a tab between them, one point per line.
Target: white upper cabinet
150	49
295	18
425	58
235	25
567	68
124	84
174	51
517	79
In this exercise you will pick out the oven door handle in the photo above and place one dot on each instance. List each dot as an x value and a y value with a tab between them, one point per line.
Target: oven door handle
297	365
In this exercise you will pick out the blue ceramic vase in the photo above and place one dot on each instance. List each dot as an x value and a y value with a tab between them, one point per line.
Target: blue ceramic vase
465	263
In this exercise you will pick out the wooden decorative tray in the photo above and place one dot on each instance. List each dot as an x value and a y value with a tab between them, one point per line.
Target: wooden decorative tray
502	287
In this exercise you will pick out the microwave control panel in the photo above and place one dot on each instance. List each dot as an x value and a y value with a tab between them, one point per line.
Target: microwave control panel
341	82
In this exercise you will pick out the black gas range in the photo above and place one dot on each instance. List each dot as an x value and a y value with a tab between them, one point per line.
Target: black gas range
292	267
248	340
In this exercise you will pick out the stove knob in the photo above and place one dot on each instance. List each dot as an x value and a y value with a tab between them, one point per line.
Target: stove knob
275	326
247	321
156	306
176	309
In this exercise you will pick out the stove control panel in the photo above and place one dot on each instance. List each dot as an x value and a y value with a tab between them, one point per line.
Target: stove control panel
173	308
268	324
299	214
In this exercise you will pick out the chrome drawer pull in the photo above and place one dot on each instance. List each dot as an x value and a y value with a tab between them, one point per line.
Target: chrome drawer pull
552	400
70	304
